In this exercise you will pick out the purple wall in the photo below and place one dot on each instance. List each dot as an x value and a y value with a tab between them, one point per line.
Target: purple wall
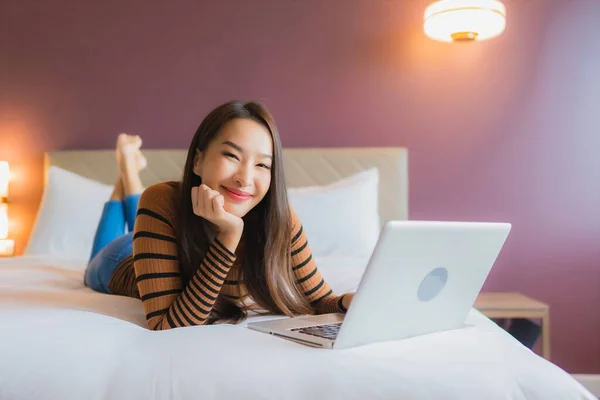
505	130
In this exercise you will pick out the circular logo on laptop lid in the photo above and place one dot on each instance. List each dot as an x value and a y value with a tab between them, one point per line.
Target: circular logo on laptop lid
432	284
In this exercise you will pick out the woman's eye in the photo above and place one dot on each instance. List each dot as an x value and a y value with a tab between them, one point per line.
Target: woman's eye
264	166
231	155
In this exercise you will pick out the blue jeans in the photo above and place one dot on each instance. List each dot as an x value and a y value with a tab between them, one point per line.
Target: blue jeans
111	244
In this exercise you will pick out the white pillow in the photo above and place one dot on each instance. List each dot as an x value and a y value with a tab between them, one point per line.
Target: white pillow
68	216
342	218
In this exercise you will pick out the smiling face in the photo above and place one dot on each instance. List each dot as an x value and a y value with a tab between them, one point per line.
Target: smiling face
237	163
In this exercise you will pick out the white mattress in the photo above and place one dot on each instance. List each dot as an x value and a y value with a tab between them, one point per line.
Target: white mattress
60	340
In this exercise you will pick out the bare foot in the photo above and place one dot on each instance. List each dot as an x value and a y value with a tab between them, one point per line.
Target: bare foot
128	152
127	144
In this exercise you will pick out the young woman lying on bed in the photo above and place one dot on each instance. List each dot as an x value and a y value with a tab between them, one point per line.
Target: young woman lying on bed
221	242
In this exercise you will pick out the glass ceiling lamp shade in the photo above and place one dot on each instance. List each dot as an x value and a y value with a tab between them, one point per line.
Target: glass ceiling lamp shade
464	20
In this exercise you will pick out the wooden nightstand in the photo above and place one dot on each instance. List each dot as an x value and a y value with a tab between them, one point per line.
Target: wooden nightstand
516	305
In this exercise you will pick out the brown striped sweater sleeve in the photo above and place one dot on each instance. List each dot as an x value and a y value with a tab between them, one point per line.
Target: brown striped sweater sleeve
310	281
156	263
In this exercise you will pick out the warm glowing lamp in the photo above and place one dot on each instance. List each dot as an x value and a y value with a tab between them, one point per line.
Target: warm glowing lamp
7	246
4	178
464	20
3	221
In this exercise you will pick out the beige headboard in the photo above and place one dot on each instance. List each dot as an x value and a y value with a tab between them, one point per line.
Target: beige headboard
303	167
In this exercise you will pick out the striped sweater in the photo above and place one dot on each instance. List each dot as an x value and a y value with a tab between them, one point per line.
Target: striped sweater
152	272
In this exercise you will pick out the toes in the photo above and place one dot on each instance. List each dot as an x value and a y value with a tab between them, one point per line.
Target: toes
128	143
136	141
122	138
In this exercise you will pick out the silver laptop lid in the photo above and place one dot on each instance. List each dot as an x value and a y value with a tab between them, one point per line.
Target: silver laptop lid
423	277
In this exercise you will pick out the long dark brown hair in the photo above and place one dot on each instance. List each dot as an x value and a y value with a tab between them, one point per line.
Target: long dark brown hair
266	263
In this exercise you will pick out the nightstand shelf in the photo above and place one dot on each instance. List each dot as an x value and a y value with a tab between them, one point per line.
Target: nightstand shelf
517	305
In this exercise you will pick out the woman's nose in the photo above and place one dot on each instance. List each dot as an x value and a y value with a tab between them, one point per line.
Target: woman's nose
244	177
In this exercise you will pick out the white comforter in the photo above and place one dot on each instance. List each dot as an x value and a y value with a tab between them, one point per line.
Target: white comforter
60	340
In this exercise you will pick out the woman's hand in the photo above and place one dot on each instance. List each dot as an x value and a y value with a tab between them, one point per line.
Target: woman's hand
208	204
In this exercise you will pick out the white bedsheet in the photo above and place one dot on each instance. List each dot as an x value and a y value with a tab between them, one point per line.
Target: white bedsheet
60	340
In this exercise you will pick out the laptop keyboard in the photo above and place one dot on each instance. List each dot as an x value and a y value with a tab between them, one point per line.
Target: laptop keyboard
329	331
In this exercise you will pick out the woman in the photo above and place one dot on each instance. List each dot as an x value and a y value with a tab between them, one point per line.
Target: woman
223	241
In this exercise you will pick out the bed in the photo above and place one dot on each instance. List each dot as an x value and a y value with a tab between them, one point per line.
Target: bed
60	340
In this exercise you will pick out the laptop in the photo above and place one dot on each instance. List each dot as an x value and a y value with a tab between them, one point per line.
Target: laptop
422	277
